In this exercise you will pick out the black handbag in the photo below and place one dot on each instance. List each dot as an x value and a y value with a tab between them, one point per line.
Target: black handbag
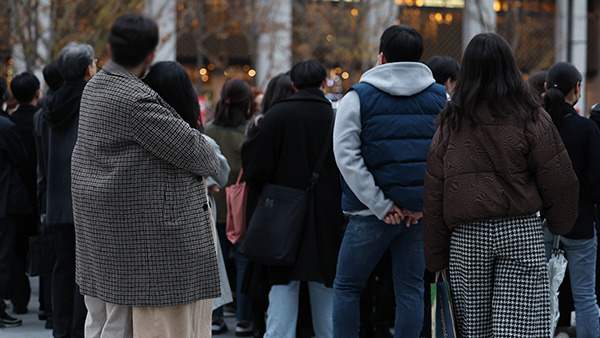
275	229
40	260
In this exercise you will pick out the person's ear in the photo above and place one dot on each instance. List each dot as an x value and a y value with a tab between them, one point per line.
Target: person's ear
89	73
109	50
150	58
577	88
381	59
294	87
545	86
38	94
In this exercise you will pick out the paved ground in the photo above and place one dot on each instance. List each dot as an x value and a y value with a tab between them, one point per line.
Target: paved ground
34	328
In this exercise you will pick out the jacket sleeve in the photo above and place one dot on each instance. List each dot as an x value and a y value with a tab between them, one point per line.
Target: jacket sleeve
169	137
347	151
593	160
554	176
13	145
42	160
259	153
221	179
436	235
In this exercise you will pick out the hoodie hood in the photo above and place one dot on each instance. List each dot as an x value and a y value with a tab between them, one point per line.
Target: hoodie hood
64	104
399	78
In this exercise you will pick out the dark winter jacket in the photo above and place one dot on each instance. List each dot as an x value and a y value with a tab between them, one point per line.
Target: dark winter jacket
23	119
581	137
503	167
56	132
13	196
283	149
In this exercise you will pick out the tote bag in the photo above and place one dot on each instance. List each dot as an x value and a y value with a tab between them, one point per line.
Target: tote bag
276	226
442	315
237	197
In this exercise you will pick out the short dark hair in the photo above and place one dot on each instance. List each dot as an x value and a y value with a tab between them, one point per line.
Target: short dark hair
279	88
401	43
3	90
132	38
171	81
24	87
443	68
308	74
536	84
52	76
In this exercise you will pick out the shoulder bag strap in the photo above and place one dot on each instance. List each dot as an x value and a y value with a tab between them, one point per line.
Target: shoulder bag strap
321	160
240	176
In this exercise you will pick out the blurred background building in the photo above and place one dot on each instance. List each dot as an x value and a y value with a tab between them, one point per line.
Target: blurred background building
256	39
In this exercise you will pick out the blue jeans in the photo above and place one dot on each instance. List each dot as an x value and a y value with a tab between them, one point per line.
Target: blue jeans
365	241
581	255
283	310
243	312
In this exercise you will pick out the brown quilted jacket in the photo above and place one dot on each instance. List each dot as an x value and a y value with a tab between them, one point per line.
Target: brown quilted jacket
501	168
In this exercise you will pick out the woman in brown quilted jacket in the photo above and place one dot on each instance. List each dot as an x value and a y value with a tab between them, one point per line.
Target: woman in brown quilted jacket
495	160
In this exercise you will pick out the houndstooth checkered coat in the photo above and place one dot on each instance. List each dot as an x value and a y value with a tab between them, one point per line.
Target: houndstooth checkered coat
141	216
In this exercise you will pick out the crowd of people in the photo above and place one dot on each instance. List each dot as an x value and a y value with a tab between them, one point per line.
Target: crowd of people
465	169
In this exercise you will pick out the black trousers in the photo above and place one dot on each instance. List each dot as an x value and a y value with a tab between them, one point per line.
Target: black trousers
68	307
7	255
20	289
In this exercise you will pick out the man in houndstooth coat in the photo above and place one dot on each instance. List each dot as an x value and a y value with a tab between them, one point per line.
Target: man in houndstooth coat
146	255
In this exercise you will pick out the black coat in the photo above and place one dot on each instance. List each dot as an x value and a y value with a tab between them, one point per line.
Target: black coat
581	137
13	196
23	119
56	128
283	149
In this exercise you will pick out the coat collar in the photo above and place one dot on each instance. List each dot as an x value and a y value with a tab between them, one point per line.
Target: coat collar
308	94
569	109
114	68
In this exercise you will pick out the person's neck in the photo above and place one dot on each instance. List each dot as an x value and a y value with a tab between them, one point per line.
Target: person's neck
32	103
137	70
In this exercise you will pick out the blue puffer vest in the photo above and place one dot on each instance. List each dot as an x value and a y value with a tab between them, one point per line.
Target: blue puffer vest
396	135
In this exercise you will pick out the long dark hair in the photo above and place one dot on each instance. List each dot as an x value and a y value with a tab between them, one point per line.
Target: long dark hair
561	79
171	81
279	88
235	106
488	76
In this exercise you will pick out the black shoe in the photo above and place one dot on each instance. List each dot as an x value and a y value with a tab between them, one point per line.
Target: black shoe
9	321
218	326
48	324
243	329
42	315
383	332
20	310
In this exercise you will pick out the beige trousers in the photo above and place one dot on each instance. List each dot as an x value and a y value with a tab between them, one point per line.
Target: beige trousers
181	321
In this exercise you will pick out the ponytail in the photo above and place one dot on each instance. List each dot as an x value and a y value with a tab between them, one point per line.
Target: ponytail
236	100
554	103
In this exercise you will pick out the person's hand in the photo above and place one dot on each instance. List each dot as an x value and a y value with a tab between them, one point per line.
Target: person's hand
213	189
412	217
394	216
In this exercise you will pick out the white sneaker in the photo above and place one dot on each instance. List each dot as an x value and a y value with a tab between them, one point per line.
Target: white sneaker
562	335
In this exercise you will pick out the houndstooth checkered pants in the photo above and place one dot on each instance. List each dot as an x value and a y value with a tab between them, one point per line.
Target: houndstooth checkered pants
499	279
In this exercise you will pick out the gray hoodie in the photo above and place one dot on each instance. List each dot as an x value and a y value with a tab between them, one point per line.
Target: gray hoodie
398	79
